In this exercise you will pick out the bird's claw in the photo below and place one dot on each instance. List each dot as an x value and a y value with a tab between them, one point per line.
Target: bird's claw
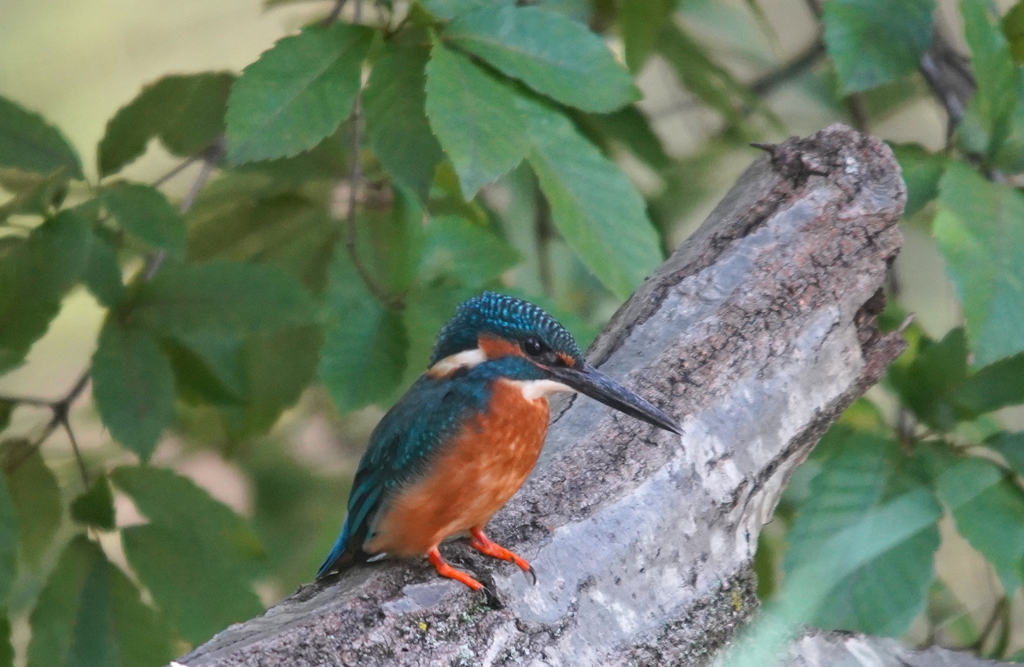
530	574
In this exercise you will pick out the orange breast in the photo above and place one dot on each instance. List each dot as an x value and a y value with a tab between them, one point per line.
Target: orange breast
471	479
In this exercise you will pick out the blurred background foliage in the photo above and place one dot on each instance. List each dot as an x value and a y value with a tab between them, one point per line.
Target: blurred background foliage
201	321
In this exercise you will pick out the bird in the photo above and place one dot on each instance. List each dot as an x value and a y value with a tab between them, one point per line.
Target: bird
465	436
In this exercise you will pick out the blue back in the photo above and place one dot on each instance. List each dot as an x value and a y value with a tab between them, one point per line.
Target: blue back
407	439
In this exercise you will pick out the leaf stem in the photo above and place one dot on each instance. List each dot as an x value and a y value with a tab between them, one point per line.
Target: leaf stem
355	178
61	409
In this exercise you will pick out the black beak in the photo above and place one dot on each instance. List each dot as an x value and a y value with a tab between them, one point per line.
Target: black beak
590	381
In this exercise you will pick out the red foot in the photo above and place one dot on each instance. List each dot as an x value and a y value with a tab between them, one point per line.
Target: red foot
446	570
483	544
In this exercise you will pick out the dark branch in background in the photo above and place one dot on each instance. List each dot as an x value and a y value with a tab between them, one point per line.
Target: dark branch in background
948	73
60	408
336	12
808	58
355	179
544	234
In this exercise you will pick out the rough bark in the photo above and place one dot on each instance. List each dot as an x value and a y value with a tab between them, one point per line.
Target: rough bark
757	332
836	649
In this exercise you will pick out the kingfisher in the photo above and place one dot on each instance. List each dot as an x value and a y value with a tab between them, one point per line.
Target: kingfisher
465	436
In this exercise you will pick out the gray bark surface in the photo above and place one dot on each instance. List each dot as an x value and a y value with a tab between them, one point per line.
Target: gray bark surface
835	649
756	333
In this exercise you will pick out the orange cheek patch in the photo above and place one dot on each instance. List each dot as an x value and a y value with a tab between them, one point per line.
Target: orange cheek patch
496	348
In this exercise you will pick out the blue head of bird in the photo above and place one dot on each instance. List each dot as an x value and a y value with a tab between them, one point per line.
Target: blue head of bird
538	352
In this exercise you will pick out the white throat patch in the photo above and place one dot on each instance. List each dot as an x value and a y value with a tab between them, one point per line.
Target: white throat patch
534	389
452	363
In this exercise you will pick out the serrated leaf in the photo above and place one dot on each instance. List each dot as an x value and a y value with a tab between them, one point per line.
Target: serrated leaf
145	213
980	231
364	351
230	297
886	592
593	205
186	112
133	386
989	511
927	383
29	143
640	23
217	563
921	172
550	53
102	274
475	117
9	531
34	275
36	496
297	93
89	613
95	506
396	118
993	387
876	41
986	124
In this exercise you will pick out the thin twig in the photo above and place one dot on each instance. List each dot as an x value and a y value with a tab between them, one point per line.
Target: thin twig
990	625
543	234
78	453
355	180
185	164
336	12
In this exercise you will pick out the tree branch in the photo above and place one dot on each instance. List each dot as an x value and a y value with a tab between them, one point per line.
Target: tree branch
757	333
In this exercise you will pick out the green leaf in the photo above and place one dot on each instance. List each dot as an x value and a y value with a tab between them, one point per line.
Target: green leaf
922	172
986	124
364	351
277	367
474	116
33	490
95	507
6	408
550	53
469	254
89	613
221	296
884	593
640	23
285	229
876	41
219	559
1013	29
145	213
133	386
593	205
29	143
9	531
980	230
34	194
186	111
1011	446
927	383
630	129
396	117
6	649
297	93
995	386
989	512
34	275
102	274
449	9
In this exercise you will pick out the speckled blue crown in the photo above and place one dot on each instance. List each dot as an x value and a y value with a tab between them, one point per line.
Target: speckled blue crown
505	317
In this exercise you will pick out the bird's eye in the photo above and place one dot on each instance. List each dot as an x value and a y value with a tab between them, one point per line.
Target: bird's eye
533	347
